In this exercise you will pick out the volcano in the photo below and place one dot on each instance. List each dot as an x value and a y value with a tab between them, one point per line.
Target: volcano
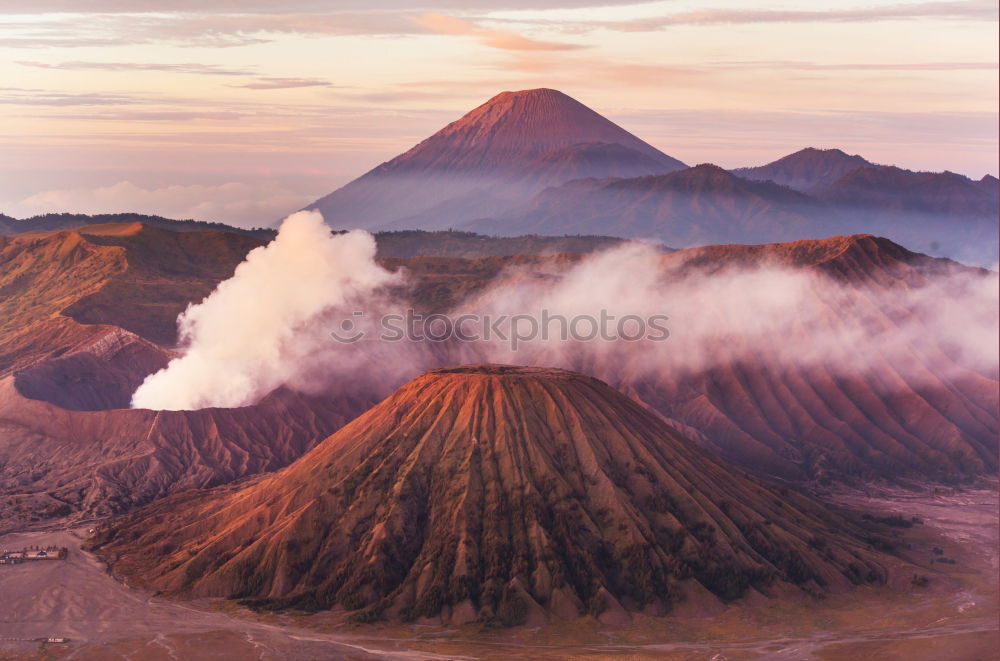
499	494
502	152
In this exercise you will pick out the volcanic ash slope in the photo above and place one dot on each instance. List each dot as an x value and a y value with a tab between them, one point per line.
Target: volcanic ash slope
499	494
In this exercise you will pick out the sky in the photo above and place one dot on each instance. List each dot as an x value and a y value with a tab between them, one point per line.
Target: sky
243	111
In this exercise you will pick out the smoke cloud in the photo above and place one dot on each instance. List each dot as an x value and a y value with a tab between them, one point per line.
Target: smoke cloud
270	325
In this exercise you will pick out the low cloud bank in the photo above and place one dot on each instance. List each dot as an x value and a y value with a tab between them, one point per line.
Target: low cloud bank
272	323
764	314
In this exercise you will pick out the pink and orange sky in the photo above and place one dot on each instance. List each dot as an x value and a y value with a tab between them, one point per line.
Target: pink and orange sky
243	111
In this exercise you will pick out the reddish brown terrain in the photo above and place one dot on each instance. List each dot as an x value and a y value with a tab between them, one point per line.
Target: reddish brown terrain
499	153
911	408
63	288
67	451
495	493
915	410
86	316
58	462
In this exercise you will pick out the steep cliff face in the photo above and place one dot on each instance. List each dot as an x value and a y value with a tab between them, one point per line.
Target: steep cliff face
66	290
494	493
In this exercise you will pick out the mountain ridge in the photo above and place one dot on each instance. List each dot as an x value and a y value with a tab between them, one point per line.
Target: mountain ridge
685	207
806	170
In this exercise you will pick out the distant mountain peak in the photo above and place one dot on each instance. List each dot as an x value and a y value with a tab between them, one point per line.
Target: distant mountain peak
807	170
513	127
479	163
710	169
830	152
541	95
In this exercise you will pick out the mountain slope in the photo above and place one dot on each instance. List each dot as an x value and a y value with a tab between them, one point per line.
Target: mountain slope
892	189
420	243
593	159
124	286
940	213
85	316
703	204
914	409
56	461
936	213
808	170
500	494
60	289
476	165
514	127
990	184
856	386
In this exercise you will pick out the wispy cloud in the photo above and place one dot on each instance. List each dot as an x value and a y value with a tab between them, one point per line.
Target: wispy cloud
221	24
953	9
186	67
213	30
271	83
30	97
160	116
502	39
859	66
271	7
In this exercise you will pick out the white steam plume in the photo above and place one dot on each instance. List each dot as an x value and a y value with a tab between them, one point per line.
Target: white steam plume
264	327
